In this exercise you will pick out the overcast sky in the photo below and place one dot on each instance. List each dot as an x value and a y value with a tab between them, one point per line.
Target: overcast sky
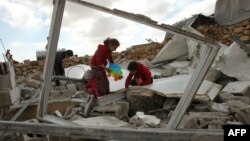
24	24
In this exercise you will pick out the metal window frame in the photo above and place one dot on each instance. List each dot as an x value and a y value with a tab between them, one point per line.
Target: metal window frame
169	133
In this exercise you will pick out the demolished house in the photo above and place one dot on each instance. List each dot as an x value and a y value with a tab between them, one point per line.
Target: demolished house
201	82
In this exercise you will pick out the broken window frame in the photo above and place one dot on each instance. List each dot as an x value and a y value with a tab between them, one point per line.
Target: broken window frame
168	133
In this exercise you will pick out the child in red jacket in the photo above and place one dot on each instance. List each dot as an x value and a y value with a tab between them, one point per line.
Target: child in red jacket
140	74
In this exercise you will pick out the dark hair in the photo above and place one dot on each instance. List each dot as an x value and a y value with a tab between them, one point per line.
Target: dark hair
69	52
132	66
111	41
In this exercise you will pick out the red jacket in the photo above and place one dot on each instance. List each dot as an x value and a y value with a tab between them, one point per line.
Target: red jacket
142	73
101	56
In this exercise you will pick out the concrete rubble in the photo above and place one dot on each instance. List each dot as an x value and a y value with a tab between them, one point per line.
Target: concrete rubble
223	97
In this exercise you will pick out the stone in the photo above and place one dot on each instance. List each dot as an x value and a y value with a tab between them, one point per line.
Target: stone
244	38
247	27
33	63
238	29
247	32
33	83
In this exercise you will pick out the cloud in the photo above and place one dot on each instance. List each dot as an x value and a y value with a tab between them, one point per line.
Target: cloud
205	7
19	14
84	28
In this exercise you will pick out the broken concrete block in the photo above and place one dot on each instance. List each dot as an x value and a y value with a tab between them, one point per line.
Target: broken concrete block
239	87
170	103
104	121
236	106
33	83
213	75
5	81
67	93
216	124
201	120
9	97
174	49
72	87
219	107
137	99
234	62
27	90
118	109
55	93
142	120
225	97
243	115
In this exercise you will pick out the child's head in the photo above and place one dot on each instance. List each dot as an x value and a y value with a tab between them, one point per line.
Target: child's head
68	53
111	43
132	67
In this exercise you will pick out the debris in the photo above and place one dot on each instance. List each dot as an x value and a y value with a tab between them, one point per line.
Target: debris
219	107
27	90
201	120
105	121
174	49
88	105
174	87
9	97
225	97
234	62
170	103
243	115
141	99
58	114
106	99
239	87
118	109
142	120
236	106
33	83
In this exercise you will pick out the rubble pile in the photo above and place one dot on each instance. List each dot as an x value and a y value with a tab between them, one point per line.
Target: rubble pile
144	51
223	33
